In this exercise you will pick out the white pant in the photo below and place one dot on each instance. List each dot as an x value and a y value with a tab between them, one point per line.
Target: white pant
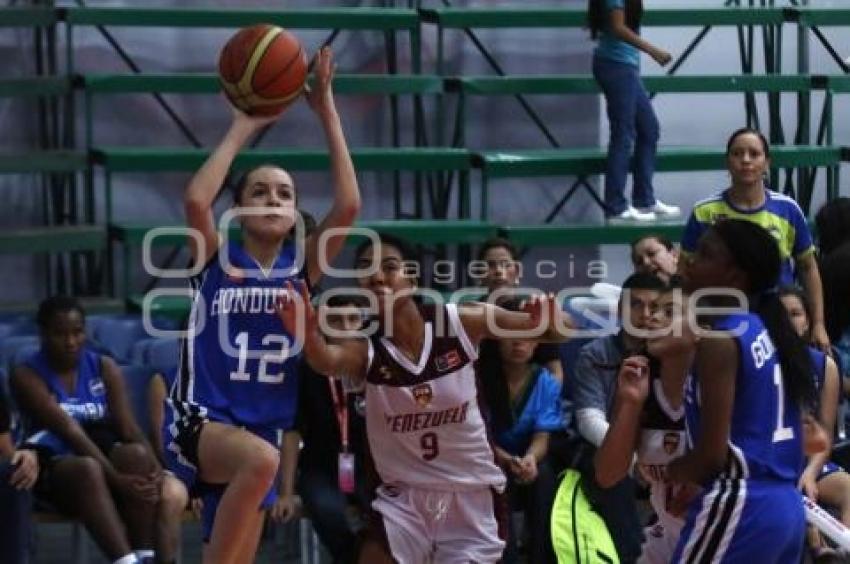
425	526
661	539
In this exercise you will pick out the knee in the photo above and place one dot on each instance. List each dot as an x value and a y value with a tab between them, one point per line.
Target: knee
622	141
131	458
173	498
87	475
262	463
651	130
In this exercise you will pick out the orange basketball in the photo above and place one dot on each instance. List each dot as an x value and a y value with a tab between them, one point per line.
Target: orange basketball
262	69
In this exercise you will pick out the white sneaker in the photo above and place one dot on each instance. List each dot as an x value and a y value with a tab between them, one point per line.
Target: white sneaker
660	208
632	214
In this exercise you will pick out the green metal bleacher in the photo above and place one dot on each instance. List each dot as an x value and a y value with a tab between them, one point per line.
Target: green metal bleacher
491	163
385	20
572	162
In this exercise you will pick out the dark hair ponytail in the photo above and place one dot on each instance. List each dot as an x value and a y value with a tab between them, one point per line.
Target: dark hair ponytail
756	253
793	351
597	15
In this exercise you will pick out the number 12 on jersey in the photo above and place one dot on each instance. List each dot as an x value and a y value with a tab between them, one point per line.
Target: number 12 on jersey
277	357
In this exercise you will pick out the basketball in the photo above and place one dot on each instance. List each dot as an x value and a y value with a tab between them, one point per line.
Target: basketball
262	69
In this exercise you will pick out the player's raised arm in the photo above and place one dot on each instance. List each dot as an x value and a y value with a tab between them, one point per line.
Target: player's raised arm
207	182
540	319
346	202
346	358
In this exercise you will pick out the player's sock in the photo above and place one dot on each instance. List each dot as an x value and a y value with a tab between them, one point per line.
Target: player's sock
127	559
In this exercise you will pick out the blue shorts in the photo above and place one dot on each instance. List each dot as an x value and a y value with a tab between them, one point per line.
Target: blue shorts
829	468
180	440
736	521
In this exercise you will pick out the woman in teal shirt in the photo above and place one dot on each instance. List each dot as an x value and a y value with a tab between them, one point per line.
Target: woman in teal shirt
616	67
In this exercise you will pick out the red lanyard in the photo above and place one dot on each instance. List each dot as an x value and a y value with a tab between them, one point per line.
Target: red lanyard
341	410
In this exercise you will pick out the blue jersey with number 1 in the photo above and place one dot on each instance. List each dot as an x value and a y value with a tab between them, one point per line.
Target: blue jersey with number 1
765	436
237	366
752	511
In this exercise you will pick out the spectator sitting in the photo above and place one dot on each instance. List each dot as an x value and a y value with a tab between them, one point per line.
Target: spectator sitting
18	473
330	421
595	383
833	225
822	480
525	406
96	465
655	254
836	280
503	273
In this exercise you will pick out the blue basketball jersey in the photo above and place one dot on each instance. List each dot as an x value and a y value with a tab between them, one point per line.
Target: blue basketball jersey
237	366
87	403
819	366
765	440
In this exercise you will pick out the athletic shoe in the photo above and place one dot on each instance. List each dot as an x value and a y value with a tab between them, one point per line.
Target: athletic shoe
632	214
660	208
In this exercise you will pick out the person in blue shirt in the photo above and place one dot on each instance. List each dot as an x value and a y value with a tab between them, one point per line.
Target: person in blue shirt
18	473
524	400
633	124
748	198
822	480
750	385
237	382
96	465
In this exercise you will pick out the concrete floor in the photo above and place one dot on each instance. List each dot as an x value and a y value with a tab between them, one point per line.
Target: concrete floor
54	543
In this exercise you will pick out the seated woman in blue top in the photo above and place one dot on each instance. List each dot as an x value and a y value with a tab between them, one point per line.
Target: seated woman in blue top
525	406
822	480
96	465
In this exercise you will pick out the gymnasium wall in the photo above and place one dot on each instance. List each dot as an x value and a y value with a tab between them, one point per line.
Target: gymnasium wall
575	121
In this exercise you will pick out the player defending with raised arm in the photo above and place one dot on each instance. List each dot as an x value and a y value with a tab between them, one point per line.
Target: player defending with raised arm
423	422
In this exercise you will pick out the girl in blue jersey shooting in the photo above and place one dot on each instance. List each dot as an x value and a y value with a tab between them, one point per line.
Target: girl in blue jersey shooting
237	385
743	402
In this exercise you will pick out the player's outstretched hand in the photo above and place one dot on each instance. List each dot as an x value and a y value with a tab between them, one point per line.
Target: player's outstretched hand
319	94
248	124
541	307
293	302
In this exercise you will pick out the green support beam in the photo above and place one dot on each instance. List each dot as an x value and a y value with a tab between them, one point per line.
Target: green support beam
55	239
558	162
532	17
34	86
19	16
581	235
585	84
42	161
178	159
207	83
825	17
383	19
